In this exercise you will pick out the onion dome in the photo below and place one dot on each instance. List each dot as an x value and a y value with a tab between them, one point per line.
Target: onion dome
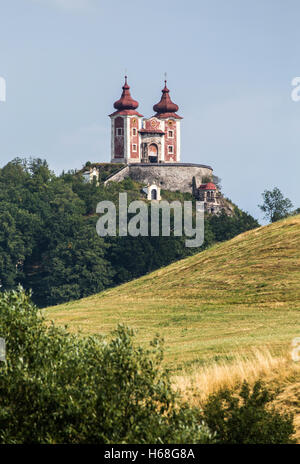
126	105
209	186
126	102
166	108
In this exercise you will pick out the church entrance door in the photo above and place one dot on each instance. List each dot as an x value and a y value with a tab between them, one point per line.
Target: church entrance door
153	153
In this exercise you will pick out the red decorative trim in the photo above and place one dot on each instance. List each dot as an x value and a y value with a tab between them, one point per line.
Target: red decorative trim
126	113
151	131
167	115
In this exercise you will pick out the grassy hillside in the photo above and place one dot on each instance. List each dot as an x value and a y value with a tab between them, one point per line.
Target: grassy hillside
236	295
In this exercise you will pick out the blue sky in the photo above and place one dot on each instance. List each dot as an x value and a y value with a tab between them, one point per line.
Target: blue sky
230	65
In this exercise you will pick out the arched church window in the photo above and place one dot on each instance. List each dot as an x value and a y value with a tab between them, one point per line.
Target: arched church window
153	194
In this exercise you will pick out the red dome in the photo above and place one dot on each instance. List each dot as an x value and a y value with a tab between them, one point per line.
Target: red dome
166	108
209	186
126	102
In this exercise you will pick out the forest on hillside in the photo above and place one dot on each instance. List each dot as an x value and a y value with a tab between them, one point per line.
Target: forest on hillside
48	240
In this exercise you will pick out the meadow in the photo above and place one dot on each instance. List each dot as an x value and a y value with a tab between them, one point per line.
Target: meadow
237	295
227	314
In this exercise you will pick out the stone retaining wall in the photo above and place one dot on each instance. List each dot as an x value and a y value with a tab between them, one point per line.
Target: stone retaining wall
168	176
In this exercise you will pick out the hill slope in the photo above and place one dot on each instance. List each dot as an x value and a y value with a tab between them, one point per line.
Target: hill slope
237	294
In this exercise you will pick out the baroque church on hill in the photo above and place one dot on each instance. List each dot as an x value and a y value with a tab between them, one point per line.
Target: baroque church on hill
145	140
148	151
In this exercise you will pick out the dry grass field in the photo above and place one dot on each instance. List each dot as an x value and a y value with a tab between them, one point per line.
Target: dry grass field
226	314
236	295
279	373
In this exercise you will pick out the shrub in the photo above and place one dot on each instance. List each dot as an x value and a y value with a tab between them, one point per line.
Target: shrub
275	206
247	417
61	388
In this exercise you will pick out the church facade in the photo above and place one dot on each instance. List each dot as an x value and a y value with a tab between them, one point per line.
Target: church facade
148	151
135	139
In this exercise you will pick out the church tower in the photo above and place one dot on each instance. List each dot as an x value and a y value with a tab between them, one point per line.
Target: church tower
170	124
125	125
135	139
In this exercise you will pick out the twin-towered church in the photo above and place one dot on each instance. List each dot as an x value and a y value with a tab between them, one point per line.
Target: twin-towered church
135	139
148	151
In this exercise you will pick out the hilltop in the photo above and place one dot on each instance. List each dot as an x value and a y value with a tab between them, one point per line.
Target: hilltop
233	296
48	239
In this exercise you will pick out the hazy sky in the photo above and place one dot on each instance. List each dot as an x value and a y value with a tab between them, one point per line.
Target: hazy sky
230	65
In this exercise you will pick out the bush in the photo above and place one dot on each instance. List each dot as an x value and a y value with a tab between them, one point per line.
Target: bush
61	388
247	417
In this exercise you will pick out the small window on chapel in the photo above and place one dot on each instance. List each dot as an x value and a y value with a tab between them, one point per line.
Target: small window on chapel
170	134
119	131
134	147
134	131
170	149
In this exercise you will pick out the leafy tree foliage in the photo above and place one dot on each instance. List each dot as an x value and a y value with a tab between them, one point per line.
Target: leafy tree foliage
56	387
73	268
247	417
48	241
61	388
226	227
275	206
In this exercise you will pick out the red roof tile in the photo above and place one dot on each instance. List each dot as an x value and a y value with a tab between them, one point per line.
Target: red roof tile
209	186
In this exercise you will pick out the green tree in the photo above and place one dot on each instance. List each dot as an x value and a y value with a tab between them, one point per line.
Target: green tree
226	227
246	417
275	206
74	268
61	388
48	240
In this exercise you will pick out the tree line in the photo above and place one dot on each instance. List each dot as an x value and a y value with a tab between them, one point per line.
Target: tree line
48	240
